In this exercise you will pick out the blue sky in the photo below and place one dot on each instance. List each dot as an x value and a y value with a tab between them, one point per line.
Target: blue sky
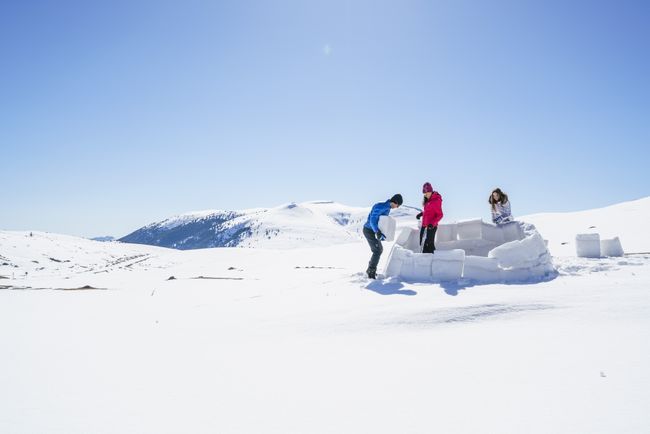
116	114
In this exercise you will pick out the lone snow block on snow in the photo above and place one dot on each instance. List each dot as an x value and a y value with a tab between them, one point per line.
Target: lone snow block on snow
611	247
588	245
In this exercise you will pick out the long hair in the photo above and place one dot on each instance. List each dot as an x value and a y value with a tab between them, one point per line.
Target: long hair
425	200
503	198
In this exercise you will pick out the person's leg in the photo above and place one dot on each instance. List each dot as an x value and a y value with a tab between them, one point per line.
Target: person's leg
376	248
429	243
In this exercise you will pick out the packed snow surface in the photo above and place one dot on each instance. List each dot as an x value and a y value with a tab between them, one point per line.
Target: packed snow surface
123	338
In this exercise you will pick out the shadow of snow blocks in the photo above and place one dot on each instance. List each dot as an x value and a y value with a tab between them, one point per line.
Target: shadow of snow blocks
389	287
453	287
467	314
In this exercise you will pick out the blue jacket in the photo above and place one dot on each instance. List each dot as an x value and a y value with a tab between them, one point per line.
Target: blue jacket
379	209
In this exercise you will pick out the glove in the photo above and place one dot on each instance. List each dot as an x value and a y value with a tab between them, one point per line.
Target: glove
380	236
419	216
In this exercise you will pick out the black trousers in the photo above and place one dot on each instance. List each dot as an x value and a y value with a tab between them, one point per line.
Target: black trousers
375	247
430	240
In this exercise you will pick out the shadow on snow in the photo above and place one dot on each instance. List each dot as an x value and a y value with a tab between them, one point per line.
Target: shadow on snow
389	287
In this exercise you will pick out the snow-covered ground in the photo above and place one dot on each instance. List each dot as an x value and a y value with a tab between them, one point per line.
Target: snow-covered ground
298	341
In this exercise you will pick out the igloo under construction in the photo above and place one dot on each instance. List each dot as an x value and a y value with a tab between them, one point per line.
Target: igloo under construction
472	250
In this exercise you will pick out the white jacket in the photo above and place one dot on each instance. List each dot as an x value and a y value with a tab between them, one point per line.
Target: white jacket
501	213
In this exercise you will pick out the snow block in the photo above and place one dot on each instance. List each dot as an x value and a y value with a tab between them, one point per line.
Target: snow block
520	254
394	263
414	241
403	237
409	239
493	233
387	226
446	233
469	229
588	245
511	232
471	247
446	265
481	269
611	247
416	267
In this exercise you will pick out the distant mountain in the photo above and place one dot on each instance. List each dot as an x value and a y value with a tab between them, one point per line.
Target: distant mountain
104	239
317	223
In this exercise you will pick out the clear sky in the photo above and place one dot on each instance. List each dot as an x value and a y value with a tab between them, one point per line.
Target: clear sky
115	114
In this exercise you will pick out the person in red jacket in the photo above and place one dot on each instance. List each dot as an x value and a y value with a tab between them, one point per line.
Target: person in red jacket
431	215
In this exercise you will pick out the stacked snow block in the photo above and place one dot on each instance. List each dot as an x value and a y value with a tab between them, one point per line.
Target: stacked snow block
588	245
493	233
447	265
387	226
524	259
409	239
416	267
512	232
403	236
424	267
475	237
611	247
482	269
470	229
446	233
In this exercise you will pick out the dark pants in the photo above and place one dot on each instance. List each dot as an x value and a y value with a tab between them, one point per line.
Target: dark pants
430	240
375	247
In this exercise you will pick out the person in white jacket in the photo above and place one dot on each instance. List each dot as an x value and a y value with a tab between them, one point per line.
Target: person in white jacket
501	213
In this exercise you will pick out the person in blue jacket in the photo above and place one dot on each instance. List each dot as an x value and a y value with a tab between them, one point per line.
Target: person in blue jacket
373	234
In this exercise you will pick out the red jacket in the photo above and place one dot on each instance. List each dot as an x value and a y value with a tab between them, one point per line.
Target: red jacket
432	212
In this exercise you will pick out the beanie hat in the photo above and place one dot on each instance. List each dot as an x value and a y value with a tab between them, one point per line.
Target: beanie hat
426	188
397	199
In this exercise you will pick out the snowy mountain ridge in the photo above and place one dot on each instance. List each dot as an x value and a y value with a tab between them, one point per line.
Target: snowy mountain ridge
315	223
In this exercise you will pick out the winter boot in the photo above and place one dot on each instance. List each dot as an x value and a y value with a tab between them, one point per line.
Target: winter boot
372	273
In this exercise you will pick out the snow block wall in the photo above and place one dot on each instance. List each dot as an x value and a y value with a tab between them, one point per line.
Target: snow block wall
473	250
424	267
